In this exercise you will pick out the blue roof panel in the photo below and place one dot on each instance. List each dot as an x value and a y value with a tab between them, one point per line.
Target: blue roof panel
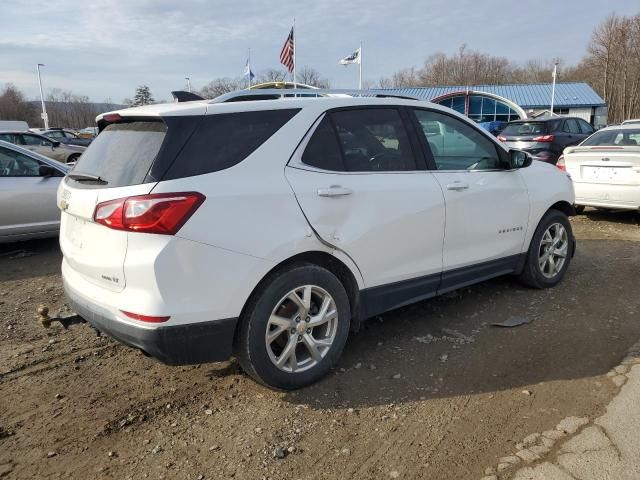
527	95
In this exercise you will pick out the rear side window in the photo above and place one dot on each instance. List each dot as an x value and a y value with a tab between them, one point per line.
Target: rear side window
123	153
522	129
323	150
224	140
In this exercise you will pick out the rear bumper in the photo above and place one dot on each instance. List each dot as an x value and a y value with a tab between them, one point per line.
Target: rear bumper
607	195
185	344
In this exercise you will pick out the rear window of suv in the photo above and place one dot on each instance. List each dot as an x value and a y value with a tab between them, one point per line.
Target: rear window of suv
123	153
522	129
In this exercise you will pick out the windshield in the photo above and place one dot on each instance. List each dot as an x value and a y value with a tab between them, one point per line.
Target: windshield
618	136
123	153
522	129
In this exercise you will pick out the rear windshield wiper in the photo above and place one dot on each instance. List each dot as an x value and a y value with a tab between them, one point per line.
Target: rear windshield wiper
87	177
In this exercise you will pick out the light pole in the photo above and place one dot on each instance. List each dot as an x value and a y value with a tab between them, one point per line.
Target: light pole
43	115
553	87
188	79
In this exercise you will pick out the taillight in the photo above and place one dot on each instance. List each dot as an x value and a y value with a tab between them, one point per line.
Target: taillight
560	164
501	138
544	138
161	213
146	318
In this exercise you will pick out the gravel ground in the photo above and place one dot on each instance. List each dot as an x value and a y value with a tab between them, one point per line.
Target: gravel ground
428	391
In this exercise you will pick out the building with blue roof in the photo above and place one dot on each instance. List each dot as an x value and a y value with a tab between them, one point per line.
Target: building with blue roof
503	103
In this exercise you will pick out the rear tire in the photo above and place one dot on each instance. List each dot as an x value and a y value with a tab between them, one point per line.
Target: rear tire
73	158
550	251
294	328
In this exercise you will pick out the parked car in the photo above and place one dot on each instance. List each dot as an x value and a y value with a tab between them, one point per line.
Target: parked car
605	168
272	228
635	121
28	185
545	139
67	137
43	145
89	132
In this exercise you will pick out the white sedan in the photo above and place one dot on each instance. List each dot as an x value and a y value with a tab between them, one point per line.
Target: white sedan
605	168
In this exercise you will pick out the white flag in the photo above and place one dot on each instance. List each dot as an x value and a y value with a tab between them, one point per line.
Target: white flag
353	58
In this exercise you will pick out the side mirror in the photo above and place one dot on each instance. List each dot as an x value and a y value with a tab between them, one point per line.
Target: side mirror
56	143
519	159
46	171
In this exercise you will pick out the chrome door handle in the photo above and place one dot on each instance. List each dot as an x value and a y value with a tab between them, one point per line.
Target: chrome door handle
334	191
457	186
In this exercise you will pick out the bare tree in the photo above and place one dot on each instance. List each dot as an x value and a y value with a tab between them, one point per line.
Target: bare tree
271	75
220	86
14	106
311	76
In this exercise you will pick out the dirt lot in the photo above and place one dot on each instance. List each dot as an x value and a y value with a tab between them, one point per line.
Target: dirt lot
428	391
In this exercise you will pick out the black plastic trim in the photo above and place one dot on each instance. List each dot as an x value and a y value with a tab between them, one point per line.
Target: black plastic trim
380	299
208	341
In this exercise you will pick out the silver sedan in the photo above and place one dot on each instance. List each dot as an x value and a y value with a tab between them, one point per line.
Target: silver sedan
28	185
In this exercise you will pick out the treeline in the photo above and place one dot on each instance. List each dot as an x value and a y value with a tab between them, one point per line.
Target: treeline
611	66
64	108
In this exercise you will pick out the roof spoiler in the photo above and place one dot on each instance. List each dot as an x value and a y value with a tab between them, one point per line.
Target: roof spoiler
180	96
275	93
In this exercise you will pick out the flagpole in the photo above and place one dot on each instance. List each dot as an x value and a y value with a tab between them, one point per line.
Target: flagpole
360	65
249	65
553	88
295	85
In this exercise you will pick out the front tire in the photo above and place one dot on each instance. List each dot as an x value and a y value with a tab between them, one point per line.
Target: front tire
550	251
294	327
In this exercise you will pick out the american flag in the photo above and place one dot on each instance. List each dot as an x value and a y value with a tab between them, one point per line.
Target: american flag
286	54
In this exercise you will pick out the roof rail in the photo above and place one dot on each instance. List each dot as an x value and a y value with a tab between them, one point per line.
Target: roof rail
276	93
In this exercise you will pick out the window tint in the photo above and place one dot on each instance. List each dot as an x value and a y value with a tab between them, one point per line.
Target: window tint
15	164
123	153
323	149
456	145
225	139
585	127
571	126
373	140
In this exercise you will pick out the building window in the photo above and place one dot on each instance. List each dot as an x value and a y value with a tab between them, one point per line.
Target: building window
561	111
480	108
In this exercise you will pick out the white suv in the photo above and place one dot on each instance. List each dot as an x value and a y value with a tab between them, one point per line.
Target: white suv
271	228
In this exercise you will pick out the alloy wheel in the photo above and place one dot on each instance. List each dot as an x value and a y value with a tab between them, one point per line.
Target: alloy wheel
301	328
554	248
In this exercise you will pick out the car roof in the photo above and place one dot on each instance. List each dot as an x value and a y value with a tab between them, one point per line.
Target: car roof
543	120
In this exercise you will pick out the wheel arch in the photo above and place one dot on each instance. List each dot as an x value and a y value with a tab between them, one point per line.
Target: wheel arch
565	207
324	260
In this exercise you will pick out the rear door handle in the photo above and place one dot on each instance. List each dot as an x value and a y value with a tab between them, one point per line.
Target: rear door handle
457	186
334	191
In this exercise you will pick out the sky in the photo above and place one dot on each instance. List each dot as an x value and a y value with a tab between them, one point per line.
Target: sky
104	49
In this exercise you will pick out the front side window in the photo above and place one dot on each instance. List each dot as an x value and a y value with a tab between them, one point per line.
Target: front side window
15	164
373	140
56	134
585	127
456	145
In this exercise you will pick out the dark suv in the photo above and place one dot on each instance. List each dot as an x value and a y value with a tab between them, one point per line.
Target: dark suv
545	139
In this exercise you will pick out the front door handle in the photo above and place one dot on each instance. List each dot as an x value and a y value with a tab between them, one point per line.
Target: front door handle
457	186
334	191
